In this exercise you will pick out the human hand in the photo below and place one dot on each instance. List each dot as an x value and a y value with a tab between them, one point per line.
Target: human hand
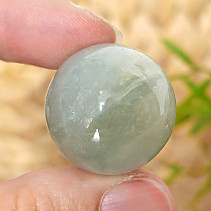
45	33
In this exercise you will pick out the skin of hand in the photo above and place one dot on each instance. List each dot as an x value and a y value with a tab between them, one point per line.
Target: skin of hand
45	33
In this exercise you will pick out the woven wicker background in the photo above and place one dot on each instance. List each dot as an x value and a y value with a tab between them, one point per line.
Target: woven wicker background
25	144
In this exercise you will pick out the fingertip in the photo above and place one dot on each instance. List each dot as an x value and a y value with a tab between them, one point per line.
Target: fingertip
46	33
139	193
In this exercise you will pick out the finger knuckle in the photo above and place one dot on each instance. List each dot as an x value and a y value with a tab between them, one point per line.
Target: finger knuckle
26	199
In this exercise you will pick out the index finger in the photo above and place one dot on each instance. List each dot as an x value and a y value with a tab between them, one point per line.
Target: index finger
46	32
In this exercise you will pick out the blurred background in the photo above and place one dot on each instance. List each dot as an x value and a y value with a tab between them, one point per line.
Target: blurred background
177	35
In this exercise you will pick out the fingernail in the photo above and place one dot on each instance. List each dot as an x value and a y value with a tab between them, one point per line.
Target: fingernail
118	34
144	195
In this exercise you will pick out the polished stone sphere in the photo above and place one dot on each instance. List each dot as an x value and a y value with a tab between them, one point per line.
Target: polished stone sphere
110	109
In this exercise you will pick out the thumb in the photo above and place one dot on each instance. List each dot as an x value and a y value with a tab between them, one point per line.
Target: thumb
70	188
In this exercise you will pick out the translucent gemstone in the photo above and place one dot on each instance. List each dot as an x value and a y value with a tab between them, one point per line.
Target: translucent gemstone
110	109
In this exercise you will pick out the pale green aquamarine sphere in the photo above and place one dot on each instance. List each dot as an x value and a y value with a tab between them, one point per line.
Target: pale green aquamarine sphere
110	109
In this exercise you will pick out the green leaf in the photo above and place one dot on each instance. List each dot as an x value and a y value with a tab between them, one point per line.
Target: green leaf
201	123
176	171
184	111
197	105
206	187
208	169
180	53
